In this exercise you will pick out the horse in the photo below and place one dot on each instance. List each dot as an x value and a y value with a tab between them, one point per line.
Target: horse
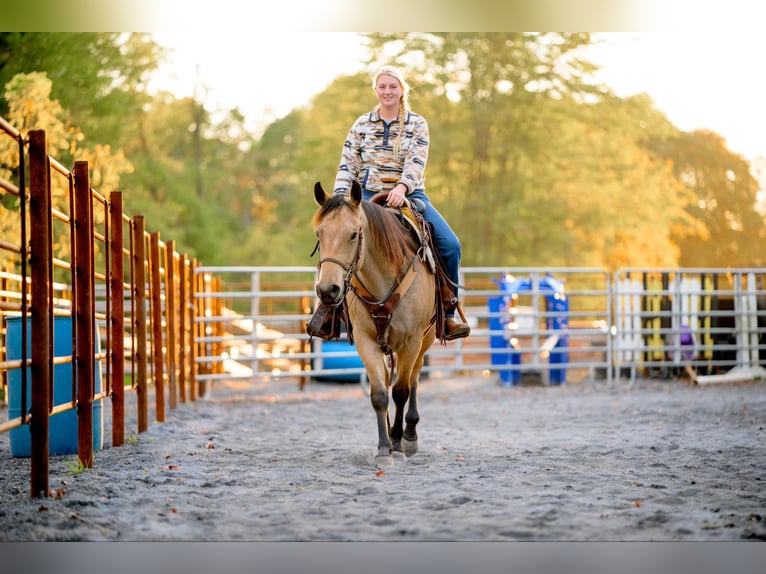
374	266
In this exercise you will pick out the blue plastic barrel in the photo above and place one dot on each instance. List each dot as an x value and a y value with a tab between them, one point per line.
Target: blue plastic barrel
503	354
62	429
335	355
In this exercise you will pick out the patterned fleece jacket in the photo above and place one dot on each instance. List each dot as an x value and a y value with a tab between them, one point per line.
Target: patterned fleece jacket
368	154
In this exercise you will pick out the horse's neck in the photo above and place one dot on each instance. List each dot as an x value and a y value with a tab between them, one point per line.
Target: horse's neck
374	273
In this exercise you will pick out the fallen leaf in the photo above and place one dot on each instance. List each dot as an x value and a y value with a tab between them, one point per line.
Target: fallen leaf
59	493
636	503
173	467
380	472
459	457
42	509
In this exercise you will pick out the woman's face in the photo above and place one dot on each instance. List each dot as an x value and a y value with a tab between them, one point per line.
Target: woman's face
388	90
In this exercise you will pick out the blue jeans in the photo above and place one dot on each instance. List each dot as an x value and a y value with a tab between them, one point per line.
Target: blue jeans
445	240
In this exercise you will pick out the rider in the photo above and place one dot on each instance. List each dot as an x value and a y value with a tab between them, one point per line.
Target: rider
386	151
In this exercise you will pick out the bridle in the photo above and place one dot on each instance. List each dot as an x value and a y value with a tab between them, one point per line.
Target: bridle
350	268
381	310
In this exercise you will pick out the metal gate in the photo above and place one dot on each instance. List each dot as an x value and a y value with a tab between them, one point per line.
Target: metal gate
522	329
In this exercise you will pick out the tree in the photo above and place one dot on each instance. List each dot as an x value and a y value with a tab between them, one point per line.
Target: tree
725	200
99	78
28	98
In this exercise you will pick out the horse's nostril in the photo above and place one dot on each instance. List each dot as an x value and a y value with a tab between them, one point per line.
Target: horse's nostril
330	294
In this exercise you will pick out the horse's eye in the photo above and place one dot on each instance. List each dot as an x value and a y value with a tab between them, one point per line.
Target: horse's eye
354	235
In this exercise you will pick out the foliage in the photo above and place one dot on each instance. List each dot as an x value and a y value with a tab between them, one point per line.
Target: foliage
531	162
30	107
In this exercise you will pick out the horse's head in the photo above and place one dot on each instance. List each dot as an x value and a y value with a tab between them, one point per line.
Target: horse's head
338	227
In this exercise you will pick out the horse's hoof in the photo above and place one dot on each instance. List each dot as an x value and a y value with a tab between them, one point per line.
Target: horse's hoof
410	446
399	456
384	461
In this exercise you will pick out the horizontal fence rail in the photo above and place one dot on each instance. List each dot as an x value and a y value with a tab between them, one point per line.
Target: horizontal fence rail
709	321
546	325
92	307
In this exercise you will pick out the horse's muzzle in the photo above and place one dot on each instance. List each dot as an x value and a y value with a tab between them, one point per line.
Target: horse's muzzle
331	294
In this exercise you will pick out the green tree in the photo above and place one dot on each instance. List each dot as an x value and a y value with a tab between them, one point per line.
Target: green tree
29	106
99	78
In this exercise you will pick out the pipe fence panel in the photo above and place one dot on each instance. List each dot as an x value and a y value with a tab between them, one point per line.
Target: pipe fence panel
544	324
72	264
709	323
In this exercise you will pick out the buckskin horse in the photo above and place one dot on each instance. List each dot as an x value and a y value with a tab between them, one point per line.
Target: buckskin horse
376	269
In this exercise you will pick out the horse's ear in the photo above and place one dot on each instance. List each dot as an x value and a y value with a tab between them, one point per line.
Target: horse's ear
356	193
319	193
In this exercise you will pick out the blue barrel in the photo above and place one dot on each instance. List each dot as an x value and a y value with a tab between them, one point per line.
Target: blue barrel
559	356
335	355
502	352
62	429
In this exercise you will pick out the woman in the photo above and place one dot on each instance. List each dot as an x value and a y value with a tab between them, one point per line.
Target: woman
386	150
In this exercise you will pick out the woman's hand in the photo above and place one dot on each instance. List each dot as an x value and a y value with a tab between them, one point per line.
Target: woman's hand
396	196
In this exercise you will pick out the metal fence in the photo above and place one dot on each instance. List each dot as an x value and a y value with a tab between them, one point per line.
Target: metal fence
707	322
549	325
529	325
92	307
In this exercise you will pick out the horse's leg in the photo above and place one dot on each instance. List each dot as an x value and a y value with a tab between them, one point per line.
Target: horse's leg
400	393
410	435
374	362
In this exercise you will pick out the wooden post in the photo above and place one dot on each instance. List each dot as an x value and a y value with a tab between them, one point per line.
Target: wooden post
84	319
41	256
117	319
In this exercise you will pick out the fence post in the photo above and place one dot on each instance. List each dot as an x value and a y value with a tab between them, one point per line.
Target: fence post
193	329
171	311
83	268
201	326
155	289
117	298
138	276
183	304
41	256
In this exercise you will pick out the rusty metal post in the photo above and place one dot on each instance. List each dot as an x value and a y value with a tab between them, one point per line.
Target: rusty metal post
171	312
197	387
40	254
183	303
139	321
218	305
155	290
84	319
117	318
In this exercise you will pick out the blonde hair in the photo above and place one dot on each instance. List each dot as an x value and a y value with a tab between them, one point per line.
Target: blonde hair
404	102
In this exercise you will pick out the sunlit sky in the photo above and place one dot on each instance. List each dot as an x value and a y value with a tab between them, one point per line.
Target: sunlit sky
699	80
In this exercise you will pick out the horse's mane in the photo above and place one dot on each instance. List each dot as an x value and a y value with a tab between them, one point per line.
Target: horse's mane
386	232
389	235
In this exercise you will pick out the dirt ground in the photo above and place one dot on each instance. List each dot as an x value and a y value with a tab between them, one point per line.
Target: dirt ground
656	461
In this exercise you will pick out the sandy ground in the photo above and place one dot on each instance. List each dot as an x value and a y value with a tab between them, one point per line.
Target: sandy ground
659	461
